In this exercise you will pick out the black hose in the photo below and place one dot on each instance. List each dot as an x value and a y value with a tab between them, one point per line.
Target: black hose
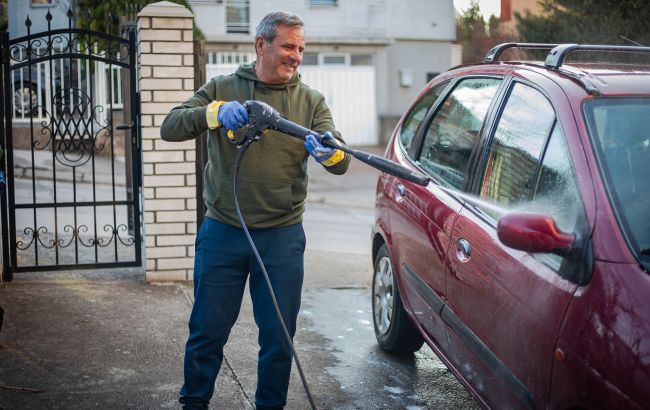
240	155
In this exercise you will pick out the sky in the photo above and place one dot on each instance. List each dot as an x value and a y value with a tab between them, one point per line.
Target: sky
488	7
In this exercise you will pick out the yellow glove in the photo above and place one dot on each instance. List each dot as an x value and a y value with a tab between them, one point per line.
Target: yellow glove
212	114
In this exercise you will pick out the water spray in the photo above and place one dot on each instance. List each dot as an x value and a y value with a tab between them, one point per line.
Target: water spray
476	202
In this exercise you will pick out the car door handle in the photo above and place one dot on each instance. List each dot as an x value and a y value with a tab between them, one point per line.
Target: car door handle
463	249
401	190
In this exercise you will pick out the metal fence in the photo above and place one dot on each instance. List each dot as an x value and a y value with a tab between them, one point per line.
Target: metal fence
34	84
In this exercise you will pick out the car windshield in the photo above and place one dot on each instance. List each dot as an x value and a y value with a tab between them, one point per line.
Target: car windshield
619	130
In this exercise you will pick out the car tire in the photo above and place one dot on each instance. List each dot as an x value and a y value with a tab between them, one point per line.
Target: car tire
393	329
22	94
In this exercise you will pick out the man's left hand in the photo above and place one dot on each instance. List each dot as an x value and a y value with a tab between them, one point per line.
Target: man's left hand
321	153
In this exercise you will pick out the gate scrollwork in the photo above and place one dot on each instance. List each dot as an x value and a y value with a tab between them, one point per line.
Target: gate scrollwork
72	88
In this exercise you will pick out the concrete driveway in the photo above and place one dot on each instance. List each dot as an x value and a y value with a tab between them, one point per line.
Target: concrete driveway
106	339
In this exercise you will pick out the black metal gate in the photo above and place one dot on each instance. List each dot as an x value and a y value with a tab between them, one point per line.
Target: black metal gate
70	132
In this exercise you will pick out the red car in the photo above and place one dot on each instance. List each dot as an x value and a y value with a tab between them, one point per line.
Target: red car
524	262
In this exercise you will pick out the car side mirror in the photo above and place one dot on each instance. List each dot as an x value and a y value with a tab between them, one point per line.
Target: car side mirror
534	233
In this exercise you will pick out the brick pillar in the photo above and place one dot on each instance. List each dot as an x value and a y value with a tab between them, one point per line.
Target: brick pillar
165	55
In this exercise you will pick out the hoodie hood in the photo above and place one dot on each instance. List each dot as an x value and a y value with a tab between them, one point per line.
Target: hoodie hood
277	95
247	71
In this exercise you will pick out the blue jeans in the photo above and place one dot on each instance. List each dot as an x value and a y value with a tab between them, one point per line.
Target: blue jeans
222	265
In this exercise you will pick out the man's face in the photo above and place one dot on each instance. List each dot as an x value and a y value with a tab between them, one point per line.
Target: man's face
278	60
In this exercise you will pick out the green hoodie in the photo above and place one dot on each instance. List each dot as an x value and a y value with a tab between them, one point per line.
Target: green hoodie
272	181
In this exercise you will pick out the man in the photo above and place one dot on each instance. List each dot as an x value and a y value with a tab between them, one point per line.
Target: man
272	187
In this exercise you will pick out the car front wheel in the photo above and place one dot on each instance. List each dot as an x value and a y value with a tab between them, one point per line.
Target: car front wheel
25	99
393	330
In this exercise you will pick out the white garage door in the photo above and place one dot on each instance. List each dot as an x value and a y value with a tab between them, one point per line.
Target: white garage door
349	92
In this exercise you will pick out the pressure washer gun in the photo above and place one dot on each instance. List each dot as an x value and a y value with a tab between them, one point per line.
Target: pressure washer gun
262	117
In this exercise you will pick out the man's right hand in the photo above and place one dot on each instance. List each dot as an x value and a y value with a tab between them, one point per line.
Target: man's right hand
232	115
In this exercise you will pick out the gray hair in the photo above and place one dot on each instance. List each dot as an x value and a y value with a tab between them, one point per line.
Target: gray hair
268	27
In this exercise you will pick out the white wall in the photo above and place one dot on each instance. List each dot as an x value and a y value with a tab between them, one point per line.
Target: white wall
357	18
349	92
421	20
421	58
210	18
349	20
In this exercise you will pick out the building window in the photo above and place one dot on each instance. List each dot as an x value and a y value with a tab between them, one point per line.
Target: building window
238	16
331	3
321	59
361	59
229	57
334	59
310	59
42	2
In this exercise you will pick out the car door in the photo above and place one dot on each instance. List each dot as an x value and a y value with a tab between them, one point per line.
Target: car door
422	217
506	306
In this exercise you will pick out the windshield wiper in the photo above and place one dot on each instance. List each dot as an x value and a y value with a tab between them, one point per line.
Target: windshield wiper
645	251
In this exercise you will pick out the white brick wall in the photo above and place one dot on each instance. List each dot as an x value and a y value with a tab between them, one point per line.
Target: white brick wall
165	55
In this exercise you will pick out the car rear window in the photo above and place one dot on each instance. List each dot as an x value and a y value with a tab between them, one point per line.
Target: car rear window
454	131
415	117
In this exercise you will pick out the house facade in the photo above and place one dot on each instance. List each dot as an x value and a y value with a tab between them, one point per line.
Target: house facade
368	57
18	11
508	9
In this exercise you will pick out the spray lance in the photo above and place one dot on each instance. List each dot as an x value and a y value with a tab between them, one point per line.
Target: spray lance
263	117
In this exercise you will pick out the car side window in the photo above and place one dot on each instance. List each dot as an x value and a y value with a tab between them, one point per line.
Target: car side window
454	131
415	117
556	192
516	149
526	169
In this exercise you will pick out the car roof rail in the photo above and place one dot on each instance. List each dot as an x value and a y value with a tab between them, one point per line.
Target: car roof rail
559	52
556	56
494	54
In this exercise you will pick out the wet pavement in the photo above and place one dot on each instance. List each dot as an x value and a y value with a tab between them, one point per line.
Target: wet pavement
105	339
368	377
